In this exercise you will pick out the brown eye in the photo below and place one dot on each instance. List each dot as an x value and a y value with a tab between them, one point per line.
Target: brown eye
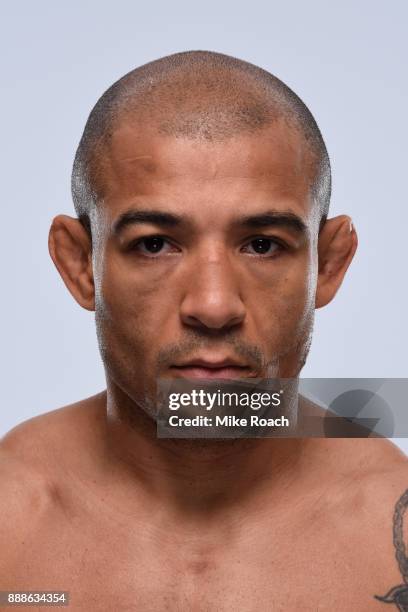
262	246
152	244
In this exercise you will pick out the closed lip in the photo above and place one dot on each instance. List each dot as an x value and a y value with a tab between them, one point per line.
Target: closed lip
205	368
211	364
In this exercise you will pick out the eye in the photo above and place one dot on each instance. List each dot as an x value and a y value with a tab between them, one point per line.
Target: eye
150	246
263	246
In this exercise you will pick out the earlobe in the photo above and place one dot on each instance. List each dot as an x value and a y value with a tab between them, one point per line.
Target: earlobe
71	251
336	248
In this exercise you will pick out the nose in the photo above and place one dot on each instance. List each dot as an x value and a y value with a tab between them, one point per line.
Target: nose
212	299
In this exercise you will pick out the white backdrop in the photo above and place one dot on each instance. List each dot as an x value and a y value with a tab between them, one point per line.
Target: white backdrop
346	60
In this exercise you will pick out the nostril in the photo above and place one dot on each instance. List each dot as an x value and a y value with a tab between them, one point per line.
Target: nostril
213	324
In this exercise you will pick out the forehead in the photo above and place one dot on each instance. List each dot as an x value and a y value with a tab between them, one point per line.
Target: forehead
273	164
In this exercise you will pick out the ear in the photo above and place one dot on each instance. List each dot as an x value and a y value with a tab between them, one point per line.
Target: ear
70	248
336	247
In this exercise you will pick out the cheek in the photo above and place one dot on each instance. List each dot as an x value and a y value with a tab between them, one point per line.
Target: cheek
131	306
300	286
284	304
132	312
125	333
125	293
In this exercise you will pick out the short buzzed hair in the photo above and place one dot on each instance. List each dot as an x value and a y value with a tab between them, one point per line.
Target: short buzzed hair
195	95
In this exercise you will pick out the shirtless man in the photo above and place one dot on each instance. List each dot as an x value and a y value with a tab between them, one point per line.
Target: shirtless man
202	243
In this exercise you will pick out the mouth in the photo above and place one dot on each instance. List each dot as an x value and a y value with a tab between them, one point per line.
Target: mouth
206	369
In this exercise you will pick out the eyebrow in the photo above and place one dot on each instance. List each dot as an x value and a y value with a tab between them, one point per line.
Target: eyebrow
274	218
165	219
146	216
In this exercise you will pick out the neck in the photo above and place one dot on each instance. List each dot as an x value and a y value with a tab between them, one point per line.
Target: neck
196	476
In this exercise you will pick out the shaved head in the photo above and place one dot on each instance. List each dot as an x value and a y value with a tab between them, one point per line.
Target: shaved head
198	95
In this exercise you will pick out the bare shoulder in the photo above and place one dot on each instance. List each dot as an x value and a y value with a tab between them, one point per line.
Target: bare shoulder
383	485
24	490
359	507
373	470
380	501
27	497
30	455
363	482
34	457
368	490
37	440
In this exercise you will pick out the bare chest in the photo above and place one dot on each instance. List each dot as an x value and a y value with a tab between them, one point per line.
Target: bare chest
111	569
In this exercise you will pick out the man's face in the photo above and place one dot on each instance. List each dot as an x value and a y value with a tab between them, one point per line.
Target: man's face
215	274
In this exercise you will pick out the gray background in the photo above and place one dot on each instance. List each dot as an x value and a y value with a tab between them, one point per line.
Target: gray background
347	61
